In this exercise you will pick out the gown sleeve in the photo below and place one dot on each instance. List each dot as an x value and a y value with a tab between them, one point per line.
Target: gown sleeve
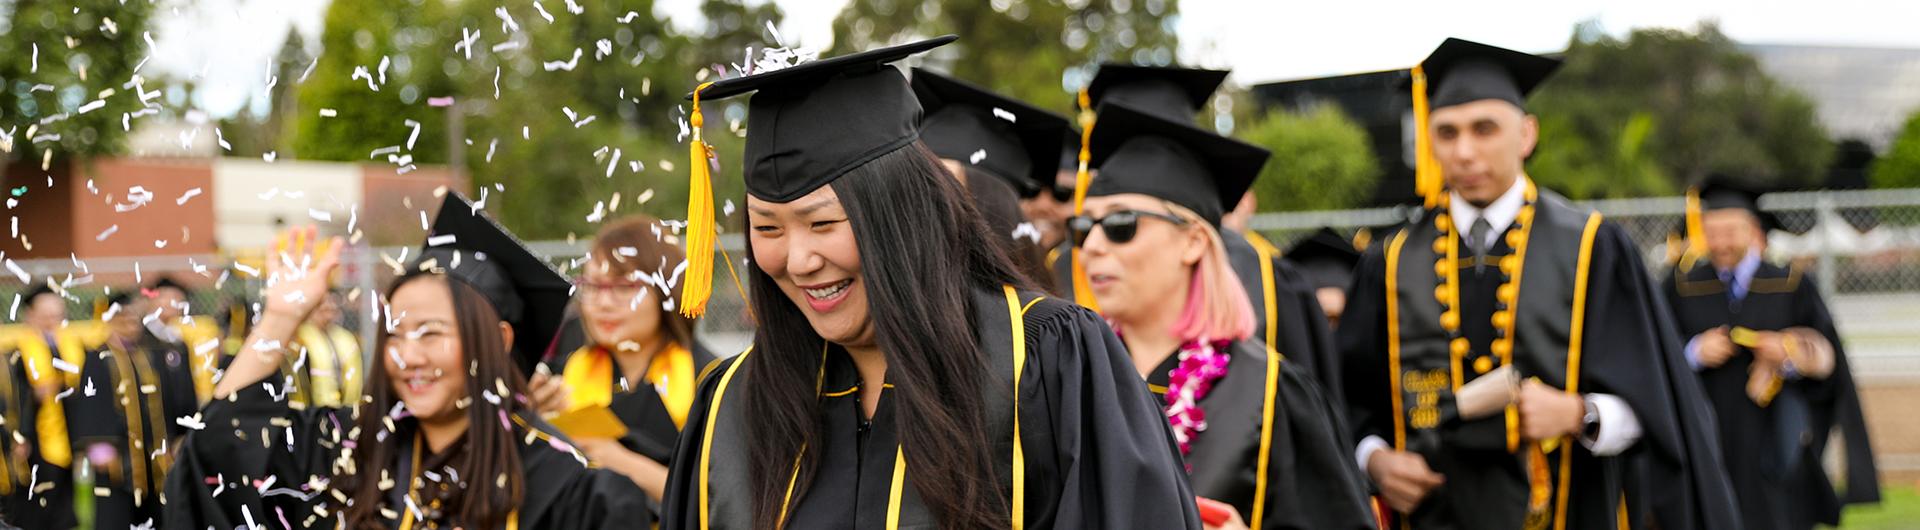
1639	359
1312	480
1836	404
219	479
1117	463
1362	342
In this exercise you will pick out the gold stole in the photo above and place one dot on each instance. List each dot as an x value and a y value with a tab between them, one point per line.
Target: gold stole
51	422
589	377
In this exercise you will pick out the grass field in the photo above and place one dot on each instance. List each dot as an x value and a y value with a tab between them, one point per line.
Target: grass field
1899	509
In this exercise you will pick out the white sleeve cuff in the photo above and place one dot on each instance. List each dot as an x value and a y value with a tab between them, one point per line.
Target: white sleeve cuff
1365	450
1619	427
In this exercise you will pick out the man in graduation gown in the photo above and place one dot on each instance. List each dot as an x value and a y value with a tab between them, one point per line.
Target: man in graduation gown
199	337
1507	361
1764	345
1287	317
35	454
133	387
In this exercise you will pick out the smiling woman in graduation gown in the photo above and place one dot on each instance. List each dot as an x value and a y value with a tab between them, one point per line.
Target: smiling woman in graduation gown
1259	432
902	376
441	440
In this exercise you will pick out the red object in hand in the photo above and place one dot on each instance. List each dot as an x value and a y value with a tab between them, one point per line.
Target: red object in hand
1212	512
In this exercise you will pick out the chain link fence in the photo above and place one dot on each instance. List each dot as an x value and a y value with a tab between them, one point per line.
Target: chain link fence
1861	247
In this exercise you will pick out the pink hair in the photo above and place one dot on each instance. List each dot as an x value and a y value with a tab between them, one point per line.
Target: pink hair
1217	307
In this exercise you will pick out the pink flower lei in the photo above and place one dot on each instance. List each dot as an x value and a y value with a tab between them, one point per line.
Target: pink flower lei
1202	362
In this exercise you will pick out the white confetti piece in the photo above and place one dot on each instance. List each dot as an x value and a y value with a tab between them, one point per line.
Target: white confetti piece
543	11
567	65
439	240
466	42
106	233
615	163
270	156
92	106
320	215
506	20
415	135
182	201
329	113
1003	114
977	156
17	271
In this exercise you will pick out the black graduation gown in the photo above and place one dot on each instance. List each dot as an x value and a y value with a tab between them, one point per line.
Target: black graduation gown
1630	351
1098	453
1300	332
1303	337
130	397
1773	453
650	428
40	494
1309	478
255	437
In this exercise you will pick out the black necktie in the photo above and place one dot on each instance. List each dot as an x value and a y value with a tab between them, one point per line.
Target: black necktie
1477	238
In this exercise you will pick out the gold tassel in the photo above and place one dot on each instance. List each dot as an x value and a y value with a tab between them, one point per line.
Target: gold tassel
701	230
1696	235
1427	180
1082	293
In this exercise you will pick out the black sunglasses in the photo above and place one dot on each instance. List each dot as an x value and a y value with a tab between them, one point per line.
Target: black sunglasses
1120	226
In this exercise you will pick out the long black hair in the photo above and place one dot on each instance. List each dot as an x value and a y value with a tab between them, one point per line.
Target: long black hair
924	250
491	449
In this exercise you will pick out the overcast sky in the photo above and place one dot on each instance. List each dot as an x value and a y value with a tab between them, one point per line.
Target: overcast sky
231	41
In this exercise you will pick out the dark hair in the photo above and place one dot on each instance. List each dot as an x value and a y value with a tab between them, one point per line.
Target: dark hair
923	251
491	449
999	205
652	249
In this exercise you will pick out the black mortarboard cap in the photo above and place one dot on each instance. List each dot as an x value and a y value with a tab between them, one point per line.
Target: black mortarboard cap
1170	92
1325	258
1139	152
810	123
1016	140
470	247
167	282
1463	71
1722	192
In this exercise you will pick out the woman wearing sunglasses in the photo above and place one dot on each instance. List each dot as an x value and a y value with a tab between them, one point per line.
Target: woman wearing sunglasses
641	360
902	376
1257	434
444	437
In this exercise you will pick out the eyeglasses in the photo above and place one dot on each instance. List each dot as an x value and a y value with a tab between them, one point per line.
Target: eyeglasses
1120	226
608	290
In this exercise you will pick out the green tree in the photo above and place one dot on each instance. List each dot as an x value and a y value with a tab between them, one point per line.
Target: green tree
65	67
395	46
1034	50
1900	168
1321	160
1663	108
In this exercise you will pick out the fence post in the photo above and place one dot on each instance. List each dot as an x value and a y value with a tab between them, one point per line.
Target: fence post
1823	212
363	260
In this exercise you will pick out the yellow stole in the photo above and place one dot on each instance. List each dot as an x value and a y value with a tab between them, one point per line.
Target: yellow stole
37	360
589	377
332	355
202	338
